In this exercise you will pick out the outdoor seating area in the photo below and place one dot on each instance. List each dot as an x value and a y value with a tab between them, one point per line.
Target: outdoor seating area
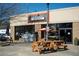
41	46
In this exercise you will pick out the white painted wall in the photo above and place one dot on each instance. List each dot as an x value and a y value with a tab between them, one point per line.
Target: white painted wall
64	15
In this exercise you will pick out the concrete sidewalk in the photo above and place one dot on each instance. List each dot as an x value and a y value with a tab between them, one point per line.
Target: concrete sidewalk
24	49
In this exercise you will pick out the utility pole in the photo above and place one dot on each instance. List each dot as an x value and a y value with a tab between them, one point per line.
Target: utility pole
47	25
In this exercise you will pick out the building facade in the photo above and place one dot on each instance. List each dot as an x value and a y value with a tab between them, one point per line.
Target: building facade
65	20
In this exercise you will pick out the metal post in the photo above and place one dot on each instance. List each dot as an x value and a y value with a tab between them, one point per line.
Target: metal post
47	27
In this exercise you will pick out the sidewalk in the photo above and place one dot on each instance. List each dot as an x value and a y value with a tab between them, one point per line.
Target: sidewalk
24	49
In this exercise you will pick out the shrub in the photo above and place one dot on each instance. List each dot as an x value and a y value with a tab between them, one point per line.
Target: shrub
76	41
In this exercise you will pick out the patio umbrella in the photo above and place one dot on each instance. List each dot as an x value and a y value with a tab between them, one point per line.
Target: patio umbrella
44	29
54	30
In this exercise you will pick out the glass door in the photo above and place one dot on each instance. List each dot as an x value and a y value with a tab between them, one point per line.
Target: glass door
66	35
69	35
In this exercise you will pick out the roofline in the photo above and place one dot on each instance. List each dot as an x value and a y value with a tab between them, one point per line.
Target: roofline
65	8
45	11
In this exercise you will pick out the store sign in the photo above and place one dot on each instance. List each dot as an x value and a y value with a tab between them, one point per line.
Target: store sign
37	18
33	18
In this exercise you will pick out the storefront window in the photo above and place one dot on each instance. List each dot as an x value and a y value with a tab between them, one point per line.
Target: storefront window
65	25
56	27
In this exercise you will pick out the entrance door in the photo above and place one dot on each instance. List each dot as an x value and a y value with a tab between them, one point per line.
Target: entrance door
66	35
69	35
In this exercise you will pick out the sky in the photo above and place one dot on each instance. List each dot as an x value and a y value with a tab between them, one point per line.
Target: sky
35	7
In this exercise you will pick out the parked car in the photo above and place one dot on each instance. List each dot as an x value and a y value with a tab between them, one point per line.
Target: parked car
5	40
4	37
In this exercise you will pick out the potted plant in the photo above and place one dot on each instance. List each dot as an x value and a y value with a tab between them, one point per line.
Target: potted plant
76	41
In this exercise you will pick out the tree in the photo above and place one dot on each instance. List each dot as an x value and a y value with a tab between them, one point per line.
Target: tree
6	10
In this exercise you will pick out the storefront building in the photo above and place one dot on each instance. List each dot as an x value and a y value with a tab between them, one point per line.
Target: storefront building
65	21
